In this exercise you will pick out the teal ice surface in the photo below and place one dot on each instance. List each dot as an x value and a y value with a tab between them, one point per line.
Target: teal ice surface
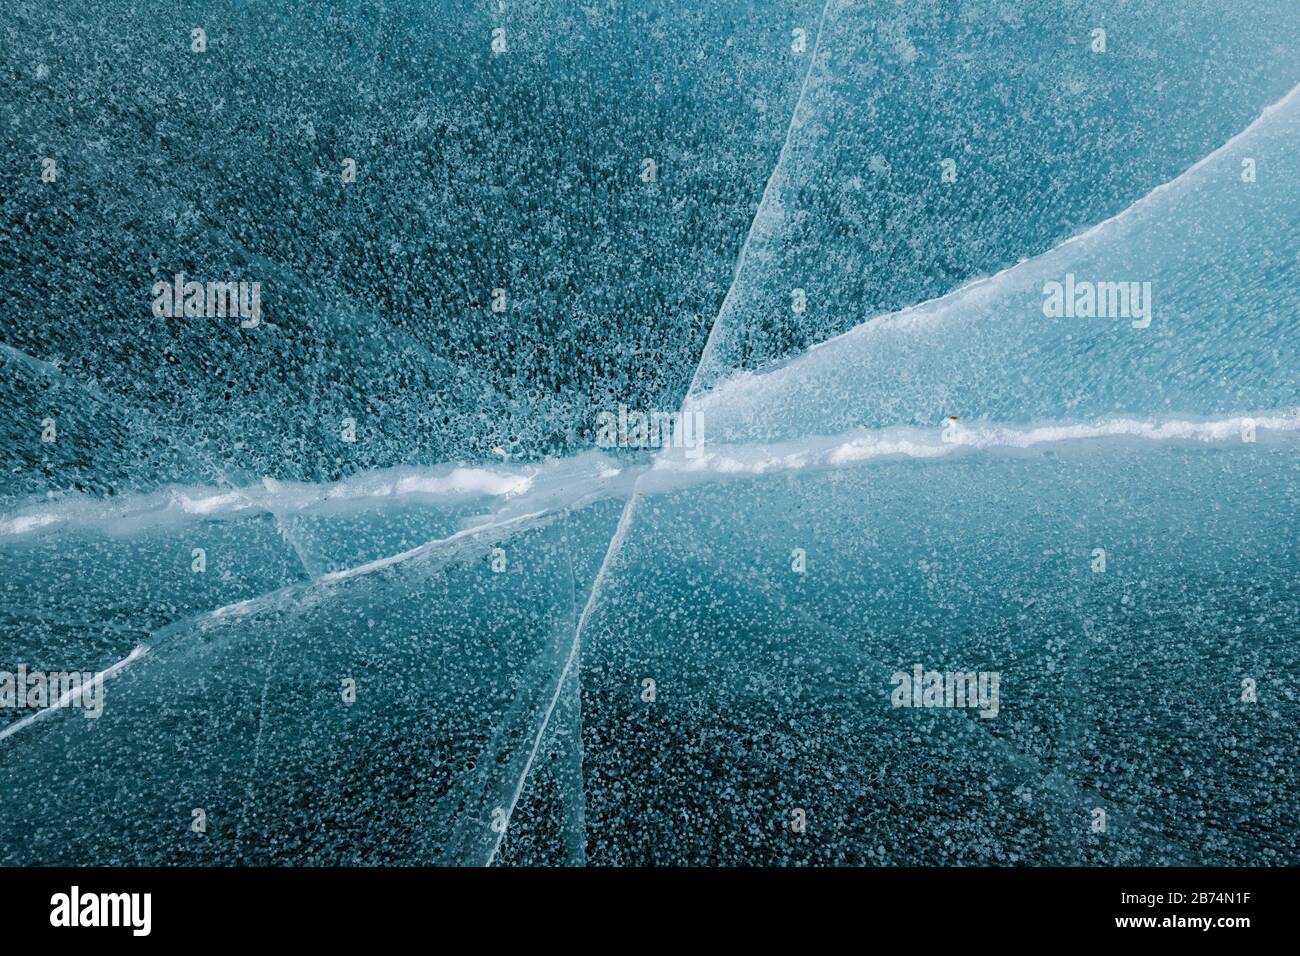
476	172
1219	254
1119	690
1045	136
83	599
467	637
245	714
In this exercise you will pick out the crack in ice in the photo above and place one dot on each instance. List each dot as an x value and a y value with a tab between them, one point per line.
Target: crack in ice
620	532
985	284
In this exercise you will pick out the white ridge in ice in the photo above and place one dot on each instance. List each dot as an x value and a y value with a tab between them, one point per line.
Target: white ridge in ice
573	482
669	473
867	444
243	608
111	671
739	384
25	523
571	479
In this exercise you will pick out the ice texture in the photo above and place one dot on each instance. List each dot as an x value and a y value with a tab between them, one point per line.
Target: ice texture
475	635
1221	336
477	172
1046	138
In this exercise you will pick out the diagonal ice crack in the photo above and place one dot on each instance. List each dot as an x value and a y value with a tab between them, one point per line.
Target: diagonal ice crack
625	519
876	445
241	609
73	695
984	284
251	809
763	204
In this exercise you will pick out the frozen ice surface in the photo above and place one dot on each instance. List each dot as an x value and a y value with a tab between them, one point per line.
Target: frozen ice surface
1118	690
84	598
937	143
470	637
244	713
1221	335
476	172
